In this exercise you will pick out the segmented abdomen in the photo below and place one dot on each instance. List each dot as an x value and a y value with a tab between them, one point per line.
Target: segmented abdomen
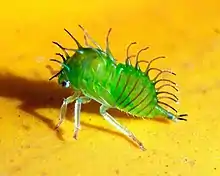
133	92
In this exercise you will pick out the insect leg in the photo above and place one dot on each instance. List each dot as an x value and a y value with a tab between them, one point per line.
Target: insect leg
117	125
63	108
78	103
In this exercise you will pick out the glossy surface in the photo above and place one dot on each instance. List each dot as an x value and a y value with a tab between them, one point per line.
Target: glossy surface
95	74
187	33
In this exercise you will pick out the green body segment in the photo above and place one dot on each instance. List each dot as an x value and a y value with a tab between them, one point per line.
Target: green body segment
92	72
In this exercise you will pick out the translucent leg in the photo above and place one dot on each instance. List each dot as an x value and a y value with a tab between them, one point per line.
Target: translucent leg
78	103
63	108
117	125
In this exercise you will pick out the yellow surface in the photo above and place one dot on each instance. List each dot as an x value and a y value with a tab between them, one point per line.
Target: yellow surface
187	32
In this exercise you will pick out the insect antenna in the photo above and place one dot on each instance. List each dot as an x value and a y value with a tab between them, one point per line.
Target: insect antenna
160	102
58	54
143	49
148	67
78	44
164	85
127	60
165	92
89	37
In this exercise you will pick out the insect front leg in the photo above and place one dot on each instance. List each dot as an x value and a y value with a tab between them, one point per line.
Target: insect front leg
78	103
63	108
117	125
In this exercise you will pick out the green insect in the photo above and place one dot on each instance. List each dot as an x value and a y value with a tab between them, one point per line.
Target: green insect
94	74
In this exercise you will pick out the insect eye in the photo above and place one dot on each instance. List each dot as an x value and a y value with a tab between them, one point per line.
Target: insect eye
65	84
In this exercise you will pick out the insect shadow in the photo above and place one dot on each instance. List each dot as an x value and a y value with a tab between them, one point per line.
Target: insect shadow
36	94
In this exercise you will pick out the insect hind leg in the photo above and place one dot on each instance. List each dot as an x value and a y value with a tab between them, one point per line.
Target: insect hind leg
117	125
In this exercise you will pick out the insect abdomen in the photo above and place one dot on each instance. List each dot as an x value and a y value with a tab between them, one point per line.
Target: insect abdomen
134	93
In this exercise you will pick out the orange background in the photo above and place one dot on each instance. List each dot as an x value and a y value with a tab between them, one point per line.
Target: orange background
186	32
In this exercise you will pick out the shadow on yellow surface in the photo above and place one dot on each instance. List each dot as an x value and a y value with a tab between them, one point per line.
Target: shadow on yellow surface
185	31
37	94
